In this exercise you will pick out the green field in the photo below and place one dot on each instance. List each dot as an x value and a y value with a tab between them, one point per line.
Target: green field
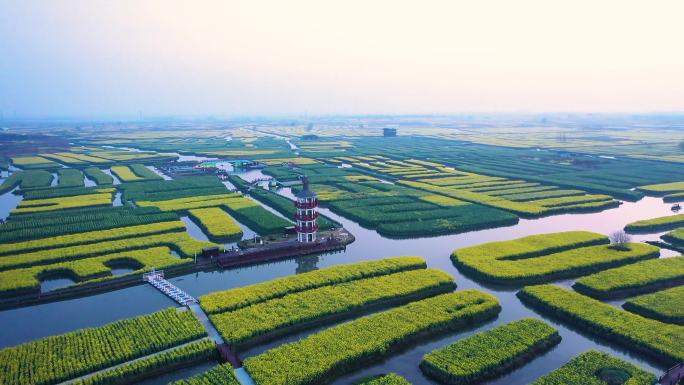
546	257
633	279
635	332
596	368
339	349
666	305
488	354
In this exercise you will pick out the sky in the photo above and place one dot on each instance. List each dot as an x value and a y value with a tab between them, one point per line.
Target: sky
127	57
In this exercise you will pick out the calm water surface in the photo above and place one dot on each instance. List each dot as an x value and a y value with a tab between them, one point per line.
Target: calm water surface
25	324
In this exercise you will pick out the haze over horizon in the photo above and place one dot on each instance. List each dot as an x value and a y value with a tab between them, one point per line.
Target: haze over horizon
100	58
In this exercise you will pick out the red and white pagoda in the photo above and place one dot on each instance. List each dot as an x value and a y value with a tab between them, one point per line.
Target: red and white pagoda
306	215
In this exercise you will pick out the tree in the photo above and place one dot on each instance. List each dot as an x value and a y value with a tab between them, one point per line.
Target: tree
619	240
681	145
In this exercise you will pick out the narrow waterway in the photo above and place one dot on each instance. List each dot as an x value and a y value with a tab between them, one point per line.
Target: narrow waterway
9	202
24	324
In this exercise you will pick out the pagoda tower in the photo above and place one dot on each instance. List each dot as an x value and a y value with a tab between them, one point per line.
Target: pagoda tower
306	214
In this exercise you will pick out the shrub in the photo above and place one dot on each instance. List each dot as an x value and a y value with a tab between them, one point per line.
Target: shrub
632	279
54	359
339	349
268	318
491	353
596	368
666	305
249	295
633	331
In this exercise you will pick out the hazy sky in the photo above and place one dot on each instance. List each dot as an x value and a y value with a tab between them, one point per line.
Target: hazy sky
95	57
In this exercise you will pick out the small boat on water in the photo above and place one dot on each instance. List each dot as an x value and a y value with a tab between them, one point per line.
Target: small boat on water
676	207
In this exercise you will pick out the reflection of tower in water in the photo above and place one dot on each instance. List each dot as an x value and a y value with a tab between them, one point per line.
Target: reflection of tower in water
307	263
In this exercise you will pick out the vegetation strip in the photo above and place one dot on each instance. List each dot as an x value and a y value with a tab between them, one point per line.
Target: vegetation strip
27	280
633	279
156	364
218	225
220	375
249	295
597	368
666	305
545	257
181	242
491	353
385	379
340	349
659	339
54	359
319	304
92	237
656	224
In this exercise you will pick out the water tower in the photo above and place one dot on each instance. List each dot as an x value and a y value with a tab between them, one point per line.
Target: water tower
306	214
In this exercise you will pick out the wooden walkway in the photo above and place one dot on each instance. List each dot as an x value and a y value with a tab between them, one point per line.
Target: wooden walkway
156	279
673	375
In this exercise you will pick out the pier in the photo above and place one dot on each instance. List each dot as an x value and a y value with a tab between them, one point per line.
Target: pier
156	279
333	241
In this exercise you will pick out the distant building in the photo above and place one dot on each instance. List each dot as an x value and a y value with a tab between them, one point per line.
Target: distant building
388	132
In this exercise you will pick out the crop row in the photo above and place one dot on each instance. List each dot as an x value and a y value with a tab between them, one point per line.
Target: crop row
156	364
240	297
63	203
247	212
666	305
26	180
70	177
25	230
663	188
386	379
632	279
154	190
655	225
91	237
33	162
27	280
659	339
597	368
30	221
524	261
491	353
54	359
321	356
97	175
675	236
64	192
316	305
181	242
216	223
219	375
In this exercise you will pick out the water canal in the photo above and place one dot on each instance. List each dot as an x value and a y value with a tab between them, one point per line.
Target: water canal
25	324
